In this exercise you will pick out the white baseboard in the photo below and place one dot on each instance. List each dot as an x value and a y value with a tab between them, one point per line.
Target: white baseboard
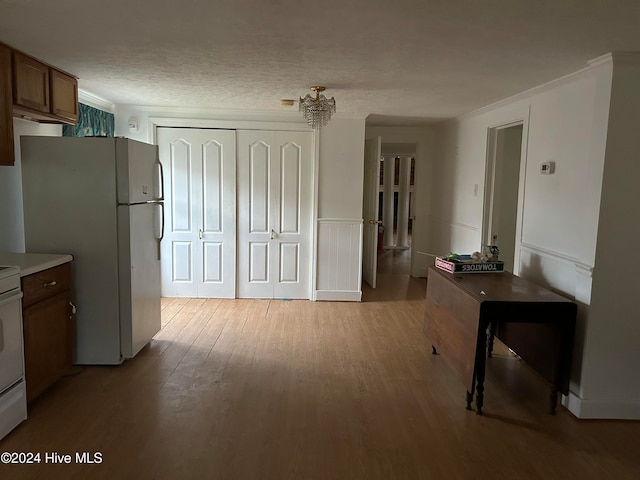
339	295
601	409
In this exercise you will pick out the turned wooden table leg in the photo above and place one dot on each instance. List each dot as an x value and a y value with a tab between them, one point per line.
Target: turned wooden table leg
470	393
480	371
479	398
469	400
490	336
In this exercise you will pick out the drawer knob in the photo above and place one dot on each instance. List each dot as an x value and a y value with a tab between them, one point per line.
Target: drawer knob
53	283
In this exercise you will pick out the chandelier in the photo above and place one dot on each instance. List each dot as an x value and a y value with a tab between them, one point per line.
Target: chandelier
317	110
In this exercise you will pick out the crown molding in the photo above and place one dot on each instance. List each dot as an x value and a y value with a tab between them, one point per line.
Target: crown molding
607	59
601	60
95	101
226	113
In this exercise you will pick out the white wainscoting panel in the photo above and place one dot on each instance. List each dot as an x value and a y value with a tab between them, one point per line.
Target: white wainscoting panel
339	271
571	277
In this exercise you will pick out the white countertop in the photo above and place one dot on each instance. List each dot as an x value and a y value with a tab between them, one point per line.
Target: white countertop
33	262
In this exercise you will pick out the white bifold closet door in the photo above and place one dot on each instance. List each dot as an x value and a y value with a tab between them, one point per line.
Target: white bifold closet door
275	198
199	245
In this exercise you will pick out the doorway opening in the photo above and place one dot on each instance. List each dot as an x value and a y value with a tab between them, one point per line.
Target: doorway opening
502	189
396	212
387	207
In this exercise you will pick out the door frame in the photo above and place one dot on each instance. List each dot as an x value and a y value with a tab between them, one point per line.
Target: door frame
489	178
372	154
233	124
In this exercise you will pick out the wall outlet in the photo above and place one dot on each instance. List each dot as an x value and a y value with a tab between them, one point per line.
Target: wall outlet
547	168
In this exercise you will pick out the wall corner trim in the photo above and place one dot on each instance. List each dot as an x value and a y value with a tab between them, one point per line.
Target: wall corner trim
601	409
339	295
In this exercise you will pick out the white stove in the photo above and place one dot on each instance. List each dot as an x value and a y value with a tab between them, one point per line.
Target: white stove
13	396
8	272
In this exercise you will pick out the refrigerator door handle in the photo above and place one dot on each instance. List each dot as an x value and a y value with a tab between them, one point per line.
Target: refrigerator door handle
162	220
161	229
161	171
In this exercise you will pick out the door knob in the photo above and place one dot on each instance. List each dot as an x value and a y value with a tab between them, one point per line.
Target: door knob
273	234
200	233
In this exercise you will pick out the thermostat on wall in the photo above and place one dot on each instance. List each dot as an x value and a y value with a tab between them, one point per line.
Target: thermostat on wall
133	124
547	168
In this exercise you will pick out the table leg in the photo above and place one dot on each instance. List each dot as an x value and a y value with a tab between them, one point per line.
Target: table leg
473	389
480	397
479	375
490	336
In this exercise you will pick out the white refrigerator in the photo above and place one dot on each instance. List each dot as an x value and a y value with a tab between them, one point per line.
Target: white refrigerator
101	200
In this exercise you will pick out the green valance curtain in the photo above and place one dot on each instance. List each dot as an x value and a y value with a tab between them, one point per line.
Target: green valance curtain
91	123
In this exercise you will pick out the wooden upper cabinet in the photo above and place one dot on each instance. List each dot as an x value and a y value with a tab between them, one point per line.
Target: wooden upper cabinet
31	83
32	90
42	92
6	107
64	95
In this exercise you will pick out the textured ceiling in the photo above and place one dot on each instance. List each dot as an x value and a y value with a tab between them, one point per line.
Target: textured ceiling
404	62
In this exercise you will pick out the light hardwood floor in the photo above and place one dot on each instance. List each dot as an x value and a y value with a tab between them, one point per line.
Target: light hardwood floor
258	389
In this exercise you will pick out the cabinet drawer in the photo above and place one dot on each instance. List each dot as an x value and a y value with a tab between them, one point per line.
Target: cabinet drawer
45	284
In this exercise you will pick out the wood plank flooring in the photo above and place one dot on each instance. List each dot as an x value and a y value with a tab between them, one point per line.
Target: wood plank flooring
259	389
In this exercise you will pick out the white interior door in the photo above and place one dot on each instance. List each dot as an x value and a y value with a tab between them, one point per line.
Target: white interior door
199	246
275	198
373	151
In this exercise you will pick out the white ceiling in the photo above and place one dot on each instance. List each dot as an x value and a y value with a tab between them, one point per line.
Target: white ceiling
405	62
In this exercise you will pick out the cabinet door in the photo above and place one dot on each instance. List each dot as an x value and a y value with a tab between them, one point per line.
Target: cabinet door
6	108
31	83
48	342
64	95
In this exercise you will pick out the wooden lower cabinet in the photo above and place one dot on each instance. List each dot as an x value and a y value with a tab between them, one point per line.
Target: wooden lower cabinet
48	329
